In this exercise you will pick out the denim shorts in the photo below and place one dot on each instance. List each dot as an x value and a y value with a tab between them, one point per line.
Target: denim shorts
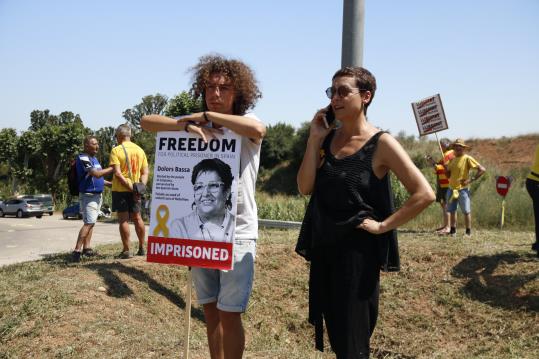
230	289
90	203
463	201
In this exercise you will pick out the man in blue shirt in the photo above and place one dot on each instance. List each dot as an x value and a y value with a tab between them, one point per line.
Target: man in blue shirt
91	185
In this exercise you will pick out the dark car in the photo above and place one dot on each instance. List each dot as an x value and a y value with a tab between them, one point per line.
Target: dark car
22	207
72	211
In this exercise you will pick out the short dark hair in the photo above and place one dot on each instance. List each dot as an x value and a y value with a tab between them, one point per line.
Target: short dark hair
364	79
241	76
221	168
88	138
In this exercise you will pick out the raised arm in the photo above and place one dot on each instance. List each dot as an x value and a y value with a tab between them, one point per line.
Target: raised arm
390	156
311	159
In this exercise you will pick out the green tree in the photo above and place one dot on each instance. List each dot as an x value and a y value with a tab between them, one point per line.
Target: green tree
151	104
107	140
277	145
300	144
45	150
27	146
39	119
8	153
8	145
59	141
182	104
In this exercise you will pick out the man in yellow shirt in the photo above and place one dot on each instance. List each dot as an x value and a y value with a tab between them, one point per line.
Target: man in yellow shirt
124	200
458	171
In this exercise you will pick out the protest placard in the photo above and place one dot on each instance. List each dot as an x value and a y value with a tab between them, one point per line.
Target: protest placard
429	115
194	196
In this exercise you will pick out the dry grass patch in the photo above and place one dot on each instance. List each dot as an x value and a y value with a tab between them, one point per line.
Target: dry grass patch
454	298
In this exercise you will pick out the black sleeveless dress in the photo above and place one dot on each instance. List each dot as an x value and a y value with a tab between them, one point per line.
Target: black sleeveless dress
346	261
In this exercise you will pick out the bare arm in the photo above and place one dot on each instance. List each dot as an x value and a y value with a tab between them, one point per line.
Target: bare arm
480	171
126	182
391	156
311	159
156	123
144	175
100	173
242	125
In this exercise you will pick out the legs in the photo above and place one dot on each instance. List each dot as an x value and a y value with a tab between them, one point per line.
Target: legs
226	337
139	228
533	190
224	296
125	203
441	194
89	203
464	203
123	220
446	220
85	235
86	243
349	298
466	208
468	222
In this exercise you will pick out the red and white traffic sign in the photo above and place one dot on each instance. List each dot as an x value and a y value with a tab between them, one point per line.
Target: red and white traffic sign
502	185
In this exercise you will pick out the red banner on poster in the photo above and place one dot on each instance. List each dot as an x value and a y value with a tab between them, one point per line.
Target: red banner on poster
190	252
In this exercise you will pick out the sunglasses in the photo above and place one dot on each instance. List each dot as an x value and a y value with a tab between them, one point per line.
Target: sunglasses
342	91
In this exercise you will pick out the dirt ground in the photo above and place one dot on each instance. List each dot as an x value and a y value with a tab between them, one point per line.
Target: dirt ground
505	153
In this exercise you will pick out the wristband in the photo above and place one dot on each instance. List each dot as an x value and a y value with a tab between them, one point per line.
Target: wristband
206	117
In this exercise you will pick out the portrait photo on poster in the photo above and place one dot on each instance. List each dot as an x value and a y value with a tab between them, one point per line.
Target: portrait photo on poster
195	186
211	218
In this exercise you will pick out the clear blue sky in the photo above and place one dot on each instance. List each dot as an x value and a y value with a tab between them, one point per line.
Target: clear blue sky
98	58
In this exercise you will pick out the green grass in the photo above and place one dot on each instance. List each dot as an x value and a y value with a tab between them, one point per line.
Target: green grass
454	298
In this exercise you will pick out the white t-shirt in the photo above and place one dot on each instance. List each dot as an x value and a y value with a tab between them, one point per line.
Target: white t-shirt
246	216
192	227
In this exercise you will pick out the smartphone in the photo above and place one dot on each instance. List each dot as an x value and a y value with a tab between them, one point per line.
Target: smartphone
330	115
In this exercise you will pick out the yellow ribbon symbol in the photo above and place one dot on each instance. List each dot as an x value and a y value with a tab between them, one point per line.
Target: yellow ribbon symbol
161	221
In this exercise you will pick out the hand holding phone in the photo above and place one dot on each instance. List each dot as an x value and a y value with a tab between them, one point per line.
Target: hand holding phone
330	116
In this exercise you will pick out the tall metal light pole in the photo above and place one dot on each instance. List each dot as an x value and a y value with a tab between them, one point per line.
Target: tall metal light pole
353	29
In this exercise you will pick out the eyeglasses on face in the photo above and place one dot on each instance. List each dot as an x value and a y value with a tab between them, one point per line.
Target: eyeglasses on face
342	91
219	88
213	187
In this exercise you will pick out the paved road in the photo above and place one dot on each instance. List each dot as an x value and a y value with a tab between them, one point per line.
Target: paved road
25	239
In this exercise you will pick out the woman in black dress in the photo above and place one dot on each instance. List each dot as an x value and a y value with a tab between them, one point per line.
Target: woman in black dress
348	232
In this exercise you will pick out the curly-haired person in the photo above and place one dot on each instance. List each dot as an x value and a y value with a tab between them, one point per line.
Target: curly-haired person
228	89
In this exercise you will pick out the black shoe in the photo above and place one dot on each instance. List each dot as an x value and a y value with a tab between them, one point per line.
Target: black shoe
124	255
89	252
75	256
141	251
